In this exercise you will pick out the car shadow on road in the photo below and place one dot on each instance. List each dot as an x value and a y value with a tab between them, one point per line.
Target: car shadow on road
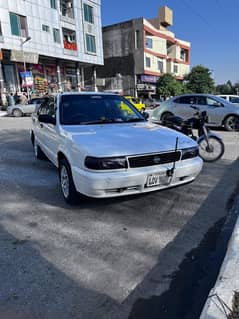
33	288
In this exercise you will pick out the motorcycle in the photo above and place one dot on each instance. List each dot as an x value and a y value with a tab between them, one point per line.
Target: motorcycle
211	146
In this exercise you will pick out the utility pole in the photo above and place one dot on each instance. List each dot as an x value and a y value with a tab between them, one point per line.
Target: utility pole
24	61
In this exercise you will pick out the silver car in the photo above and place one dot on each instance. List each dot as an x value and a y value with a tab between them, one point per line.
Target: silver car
220	112
19	110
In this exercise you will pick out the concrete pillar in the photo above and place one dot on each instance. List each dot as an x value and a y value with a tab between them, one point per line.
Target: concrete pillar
82	78
78	77
58	71
94	80
2	85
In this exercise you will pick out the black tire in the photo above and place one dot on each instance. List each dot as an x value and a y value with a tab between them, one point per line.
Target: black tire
216	151
165	116
68	189
37	150
17	113
231	123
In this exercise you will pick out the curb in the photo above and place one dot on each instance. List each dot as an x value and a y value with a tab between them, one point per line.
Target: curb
220	300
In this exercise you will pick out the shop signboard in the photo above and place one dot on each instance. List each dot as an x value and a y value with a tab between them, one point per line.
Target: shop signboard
27	79
149	78
27	57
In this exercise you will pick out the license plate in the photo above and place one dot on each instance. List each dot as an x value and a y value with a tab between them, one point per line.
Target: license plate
157	179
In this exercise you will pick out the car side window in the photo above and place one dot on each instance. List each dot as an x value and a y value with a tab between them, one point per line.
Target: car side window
43	108
234	99
187	100
212	102
201	100
51	108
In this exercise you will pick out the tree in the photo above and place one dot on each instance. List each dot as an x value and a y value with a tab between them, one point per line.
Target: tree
199	80
167	86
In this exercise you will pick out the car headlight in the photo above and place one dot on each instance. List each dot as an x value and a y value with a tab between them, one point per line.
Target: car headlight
105	163
190	152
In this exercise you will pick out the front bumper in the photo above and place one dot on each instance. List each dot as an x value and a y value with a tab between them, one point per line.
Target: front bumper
133	180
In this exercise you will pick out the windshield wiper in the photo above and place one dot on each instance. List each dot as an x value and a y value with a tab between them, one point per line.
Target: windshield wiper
100	121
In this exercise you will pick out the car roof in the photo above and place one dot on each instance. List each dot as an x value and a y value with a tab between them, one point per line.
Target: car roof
87	93
233	95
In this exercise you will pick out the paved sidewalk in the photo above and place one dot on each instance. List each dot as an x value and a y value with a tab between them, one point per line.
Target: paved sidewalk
3	113
220	299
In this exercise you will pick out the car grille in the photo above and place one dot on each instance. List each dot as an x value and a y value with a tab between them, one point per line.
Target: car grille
154	159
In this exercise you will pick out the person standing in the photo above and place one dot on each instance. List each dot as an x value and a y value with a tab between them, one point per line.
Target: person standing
11	100
23	99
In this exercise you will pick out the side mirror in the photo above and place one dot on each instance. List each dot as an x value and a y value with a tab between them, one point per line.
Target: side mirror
45	118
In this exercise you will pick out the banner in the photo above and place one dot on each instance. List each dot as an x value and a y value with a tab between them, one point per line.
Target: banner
27	79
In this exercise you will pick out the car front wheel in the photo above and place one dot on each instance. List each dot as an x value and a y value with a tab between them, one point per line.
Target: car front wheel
68	189
231	123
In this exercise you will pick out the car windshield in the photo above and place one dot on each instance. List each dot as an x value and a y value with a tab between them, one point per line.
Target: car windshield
88	109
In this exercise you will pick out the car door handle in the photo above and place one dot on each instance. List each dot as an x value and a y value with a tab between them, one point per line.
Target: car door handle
41	125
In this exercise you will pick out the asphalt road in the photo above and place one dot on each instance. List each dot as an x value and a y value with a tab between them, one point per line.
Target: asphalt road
95	260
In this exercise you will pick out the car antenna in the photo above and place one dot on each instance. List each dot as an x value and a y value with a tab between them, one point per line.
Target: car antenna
171	170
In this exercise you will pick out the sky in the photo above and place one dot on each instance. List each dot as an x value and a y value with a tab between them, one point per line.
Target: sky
212	27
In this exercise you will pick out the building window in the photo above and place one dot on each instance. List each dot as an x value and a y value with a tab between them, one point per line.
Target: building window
137	39
53	4
175	68
148	62
69	39
67	9
45	28
184	55
160	66
18	25
56	35
90	43
149	43
88	13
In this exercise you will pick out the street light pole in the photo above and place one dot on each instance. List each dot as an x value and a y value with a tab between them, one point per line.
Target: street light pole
24	61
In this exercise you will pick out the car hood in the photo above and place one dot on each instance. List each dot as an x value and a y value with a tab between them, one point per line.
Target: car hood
125	139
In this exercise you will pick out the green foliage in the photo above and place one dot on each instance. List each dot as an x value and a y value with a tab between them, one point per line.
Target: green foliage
167	86
199	80
227	88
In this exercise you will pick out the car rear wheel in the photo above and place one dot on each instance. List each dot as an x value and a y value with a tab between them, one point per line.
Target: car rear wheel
17	113
165	116
68	189
231	123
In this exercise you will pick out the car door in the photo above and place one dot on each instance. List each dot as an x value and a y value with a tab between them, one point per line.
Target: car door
215	109
182	106
49	132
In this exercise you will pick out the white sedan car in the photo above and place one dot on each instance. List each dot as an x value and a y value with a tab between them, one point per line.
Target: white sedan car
103	147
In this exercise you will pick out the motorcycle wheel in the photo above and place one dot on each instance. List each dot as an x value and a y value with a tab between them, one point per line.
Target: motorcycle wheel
211	151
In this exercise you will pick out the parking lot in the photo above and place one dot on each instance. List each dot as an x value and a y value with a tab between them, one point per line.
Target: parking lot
97	259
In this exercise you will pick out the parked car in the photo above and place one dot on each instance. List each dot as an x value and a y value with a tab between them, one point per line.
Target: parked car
220	112
230	98
103	151
19	110
139	106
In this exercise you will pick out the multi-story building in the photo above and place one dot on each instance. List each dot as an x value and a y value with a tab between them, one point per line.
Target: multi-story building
53	40
139	51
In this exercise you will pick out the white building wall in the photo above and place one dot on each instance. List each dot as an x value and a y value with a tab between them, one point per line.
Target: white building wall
39	12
